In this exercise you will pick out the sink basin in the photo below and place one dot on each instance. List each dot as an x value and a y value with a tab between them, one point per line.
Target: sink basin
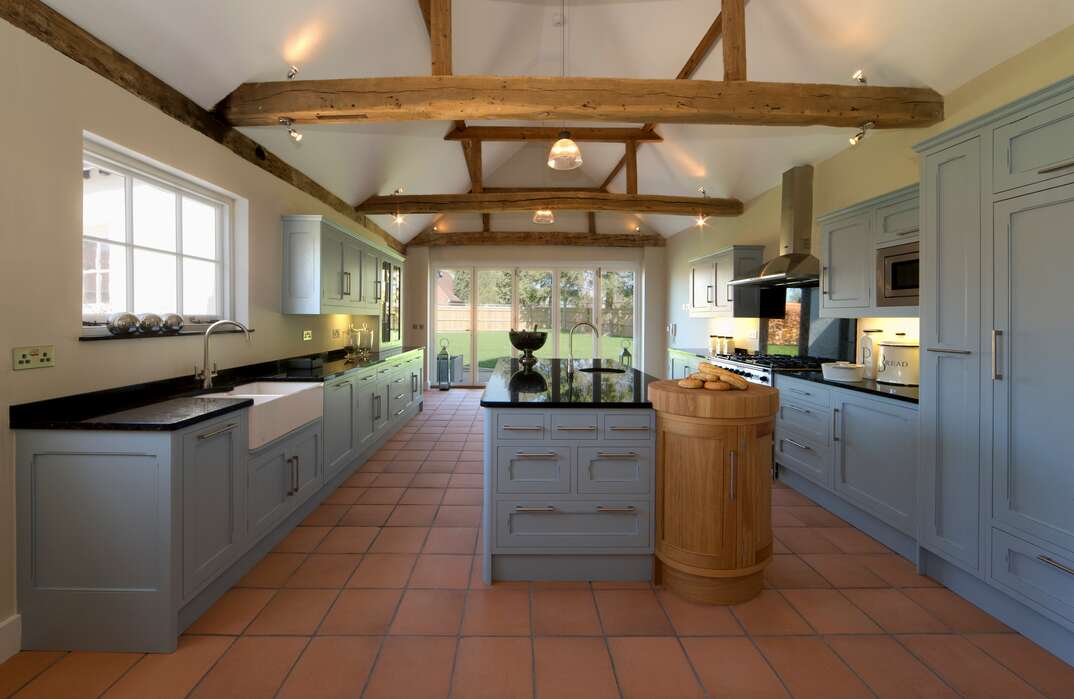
279	407
602	370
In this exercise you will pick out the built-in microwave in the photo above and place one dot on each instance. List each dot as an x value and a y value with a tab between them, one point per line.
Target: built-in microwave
898	275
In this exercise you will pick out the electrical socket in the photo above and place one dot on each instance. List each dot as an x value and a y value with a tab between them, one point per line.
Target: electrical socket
36	357
307	335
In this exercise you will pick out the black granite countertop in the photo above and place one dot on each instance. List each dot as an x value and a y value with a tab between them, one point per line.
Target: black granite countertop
908	394
550	385
176	403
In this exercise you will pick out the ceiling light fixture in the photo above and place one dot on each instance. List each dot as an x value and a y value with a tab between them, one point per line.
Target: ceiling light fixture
294	133
637	228
565	153
292	71
544	216
398	219
859	77
701	218
860	136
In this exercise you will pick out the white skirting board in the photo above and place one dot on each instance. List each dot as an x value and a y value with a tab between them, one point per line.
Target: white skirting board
10	636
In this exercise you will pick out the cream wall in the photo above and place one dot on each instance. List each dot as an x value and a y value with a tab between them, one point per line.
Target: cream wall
48	101
885	161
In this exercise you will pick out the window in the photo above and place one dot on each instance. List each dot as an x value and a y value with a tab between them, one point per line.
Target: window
152	242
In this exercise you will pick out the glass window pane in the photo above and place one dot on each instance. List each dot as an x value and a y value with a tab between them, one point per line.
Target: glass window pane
103	205
154	216
104	279
154	282
453	296
575	306
201	295
784	333
616	314
493	319
199	229
535	305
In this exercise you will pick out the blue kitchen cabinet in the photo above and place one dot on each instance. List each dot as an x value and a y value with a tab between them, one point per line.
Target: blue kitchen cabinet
340	424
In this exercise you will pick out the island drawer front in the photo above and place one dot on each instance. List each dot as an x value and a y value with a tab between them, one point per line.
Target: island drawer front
806	419
615	470
628	425
530	425
538	468
575	425
803	391
565	524
1041	575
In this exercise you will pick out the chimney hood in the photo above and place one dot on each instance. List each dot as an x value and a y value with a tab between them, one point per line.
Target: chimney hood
794	266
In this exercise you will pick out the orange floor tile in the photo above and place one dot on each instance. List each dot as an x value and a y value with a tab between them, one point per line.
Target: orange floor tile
379	594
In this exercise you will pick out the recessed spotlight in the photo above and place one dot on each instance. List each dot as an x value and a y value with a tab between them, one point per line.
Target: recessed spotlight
860	136
859	77
294	133
544	216
292	71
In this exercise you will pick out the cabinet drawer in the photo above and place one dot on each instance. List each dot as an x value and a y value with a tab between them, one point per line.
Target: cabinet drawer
538	468
806	391
804	457
1043	576
574	425
521	425
1035	148
584	525
628	426
398	399
898	222
806	419
614	470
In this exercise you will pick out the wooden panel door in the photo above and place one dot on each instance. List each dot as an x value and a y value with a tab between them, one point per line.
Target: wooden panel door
950	468
1032	386
847	261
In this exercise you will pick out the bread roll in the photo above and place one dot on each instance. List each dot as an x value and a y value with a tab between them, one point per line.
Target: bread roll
717	386
691	383
724	375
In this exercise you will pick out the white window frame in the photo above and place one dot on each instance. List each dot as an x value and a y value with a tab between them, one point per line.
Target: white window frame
131	168
558	351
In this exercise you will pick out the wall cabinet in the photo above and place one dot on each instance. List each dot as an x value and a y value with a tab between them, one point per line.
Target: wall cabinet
849	239
710	295
327	269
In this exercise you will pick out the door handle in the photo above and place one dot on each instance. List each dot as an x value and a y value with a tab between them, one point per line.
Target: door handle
997	375
835	422
794	443
616	508
708	294
535	455
521	428
534	508
734	475
588	428
295	469
400	412
222	430
616	454
1048	560
942	350
796	409
823	274
376	292
1055	168
346	283
616	428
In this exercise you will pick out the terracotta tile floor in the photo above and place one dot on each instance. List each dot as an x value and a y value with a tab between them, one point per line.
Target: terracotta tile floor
379	594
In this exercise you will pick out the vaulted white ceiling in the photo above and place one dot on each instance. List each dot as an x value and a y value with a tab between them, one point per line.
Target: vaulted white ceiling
205	48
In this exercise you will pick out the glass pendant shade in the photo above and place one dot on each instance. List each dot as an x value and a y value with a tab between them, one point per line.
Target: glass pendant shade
565	154
543	216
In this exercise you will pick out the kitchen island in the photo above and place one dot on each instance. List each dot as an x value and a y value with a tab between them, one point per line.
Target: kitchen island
569	477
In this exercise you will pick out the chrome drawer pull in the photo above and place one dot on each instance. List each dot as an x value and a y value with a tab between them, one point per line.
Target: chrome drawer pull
590	428
615	454
222	430
400	412
520	428
629	429
941	350
796	409
908	232
1055	168
534	508
794	443
1055	564
800	391
620	508
535	454
996	375
400	396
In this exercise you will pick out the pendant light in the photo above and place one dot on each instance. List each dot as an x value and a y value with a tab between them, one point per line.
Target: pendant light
544	216
565	153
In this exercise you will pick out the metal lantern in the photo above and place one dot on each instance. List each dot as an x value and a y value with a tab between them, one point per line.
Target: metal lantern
443	366
625	358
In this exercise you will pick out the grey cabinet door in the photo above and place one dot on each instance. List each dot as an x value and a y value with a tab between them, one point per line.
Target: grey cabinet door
331	267
899	222
380	405
370	275
366	412
723	272
950	465
1032	386
340	439
213	497
305	452
1034	148
847	261
702	290
876	458
352	272
268	490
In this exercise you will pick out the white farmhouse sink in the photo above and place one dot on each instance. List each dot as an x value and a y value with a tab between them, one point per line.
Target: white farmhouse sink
279	407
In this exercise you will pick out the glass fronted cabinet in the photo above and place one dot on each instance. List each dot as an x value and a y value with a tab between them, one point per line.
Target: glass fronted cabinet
391	319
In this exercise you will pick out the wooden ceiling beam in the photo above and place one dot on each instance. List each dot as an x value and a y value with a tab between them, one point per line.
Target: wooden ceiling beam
472	150
632	167
734	39
615	240
444	97
425	15
608	134
563	200
440	36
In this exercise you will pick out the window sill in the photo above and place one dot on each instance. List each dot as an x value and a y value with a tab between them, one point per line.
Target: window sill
193	332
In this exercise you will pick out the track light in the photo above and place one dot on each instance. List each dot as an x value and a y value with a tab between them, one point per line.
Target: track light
637	228
701	221
292	71
860	136
398	219
544	216
859	77
294	133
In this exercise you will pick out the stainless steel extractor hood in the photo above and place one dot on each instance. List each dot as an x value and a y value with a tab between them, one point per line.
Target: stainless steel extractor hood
794	266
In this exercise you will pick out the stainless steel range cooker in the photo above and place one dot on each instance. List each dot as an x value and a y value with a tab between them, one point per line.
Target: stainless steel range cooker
760	368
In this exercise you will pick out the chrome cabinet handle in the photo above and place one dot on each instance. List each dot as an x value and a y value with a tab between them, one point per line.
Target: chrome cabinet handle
589	428
796	409
790	441
730	293
294	470
222	430
823	274
734	474
535	454
799	391
628	429
338	386
1055	564
400	412
376	290
290	476
534	508
615	454
942	350
996	374
413	383
521	428
400	396
835	422
1055	168
708	294
616	508
376	404
346	283
368	378
908	232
